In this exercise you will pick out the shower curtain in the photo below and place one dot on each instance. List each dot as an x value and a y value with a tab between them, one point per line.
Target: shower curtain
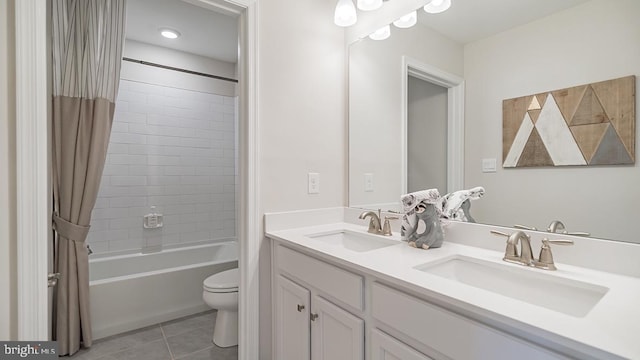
87	41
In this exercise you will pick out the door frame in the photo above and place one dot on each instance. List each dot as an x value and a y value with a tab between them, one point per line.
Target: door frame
455	118
32	170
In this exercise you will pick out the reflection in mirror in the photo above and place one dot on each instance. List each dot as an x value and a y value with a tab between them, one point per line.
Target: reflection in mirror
552	50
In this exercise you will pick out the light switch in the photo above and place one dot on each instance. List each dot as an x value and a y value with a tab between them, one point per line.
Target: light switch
368	182
314	183
488	165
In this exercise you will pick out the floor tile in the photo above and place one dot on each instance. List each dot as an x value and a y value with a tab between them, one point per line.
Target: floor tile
155	350
213	353
189	342
202	320
188	338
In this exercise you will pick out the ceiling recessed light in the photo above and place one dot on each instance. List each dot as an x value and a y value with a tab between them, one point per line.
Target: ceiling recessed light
169	33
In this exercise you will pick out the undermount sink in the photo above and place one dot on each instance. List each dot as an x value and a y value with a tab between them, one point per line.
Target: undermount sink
571	297
354	241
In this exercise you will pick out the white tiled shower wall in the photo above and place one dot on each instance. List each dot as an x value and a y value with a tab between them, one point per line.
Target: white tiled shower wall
173	149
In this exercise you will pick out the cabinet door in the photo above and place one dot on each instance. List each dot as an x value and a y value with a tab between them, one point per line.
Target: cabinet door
292	321
384	347
335	333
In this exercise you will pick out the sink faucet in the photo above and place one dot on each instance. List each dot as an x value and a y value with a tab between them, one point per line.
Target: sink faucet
556	226
374	222
511	252
544	261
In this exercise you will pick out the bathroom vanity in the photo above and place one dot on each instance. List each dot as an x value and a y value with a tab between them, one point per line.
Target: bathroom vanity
339	292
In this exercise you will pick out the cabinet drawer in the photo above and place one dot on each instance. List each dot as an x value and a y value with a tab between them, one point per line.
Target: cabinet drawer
384	347
333	281
450	334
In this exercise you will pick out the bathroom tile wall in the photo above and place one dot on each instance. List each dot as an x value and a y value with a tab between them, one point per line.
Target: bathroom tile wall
173	149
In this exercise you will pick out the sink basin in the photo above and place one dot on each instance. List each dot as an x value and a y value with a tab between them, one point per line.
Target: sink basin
353	241
571	297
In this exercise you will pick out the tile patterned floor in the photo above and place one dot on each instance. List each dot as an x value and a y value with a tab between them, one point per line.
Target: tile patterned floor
188	338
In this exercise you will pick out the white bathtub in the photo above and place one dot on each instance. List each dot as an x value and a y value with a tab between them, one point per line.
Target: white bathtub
136	290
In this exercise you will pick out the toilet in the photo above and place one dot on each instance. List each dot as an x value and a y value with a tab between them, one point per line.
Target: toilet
220	291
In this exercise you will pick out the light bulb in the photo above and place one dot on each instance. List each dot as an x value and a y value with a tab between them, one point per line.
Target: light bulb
345	14
169	33
407	21
368	5
382	33
437	6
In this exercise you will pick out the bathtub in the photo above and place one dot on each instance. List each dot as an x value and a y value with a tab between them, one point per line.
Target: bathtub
136	290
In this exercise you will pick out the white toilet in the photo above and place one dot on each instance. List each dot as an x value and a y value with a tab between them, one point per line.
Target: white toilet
220	291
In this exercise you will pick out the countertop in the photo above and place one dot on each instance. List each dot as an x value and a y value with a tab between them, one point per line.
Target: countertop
610	329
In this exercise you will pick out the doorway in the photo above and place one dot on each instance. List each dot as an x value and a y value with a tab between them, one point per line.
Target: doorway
33	220
426	136
454	85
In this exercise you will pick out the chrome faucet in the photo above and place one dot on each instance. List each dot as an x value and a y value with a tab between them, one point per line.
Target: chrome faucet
374	222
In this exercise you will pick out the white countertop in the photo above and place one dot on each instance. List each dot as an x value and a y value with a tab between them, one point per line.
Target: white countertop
612	327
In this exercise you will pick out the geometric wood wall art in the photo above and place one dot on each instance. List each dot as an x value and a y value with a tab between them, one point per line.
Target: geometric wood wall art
592	124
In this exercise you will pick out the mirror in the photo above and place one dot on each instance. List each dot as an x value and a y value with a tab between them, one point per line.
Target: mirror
550	49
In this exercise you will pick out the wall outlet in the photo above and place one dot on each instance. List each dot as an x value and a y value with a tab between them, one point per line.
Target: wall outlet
489	165
368	182
314	183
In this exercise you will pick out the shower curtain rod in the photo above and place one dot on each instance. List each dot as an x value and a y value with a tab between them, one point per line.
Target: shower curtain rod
142	62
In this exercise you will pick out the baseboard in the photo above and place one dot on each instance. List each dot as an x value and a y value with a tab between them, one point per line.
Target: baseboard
139	323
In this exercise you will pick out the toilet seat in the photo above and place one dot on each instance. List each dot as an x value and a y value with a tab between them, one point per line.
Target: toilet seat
222	282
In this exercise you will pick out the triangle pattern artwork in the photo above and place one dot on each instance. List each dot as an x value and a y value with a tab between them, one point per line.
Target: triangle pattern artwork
591	124
534	152
611	150
589	111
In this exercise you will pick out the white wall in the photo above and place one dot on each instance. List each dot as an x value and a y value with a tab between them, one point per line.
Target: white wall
8	272
173	149
595	41
426	136
301	110
182	60
376	107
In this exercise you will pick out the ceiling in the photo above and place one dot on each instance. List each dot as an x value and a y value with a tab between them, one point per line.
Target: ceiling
204	32
214	35
470	20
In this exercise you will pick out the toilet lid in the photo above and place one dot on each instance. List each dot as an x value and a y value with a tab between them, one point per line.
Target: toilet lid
223	281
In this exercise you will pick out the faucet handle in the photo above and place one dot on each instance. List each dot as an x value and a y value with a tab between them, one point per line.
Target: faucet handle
545	260
386	229
524	227
496	232
579	233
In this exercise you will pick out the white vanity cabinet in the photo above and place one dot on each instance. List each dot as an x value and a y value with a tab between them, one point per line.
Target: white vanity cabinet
320	312
306	324
385	347
444	332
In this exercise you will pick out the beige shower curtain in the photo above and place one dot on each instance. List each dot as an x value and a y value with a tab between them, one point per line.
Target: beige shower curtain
87	43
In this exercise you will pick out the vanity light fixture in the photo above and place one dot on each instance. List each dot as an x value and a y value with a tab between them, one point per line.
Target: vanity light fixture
345	14
382	33
368	5
407	21
169	33
437	6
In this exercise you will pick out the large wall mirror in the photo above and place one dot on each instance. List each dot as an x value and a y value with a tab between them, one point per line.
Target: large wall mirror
403	136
